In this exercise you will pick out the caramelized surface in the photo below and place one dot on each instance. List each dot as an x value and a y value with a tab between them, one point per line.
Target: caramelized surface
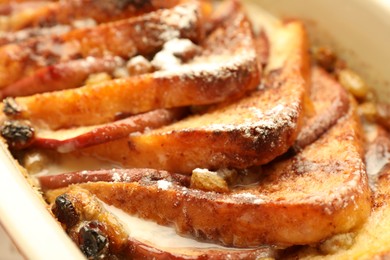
299	200
89	207
370	241
65	75
140	35
251	131
36	14
328	102
213	76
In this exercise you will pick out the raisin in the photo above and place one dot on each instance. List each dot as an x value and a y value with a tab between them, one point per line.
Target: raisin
92	240
19	134
65	212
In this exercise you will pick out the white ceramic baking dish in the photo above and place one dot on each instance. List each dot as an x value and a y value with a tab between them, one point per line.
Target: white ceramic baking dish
358	29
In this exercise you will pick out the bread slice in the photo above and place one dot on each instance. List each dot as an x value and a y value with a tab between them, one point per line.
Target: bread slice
212	77
65	75
22	20
328	102
139	35
84	212
370	241
65	12
319	192
251	131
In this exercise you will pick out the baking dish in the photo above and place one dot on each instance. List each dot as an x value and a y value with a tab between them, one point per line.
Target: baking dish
350	29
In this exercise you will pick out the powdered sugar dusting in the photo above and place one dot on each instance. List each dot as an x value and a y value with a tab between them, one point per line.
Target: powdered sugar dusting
215	67
185	16
247	197
165	60
262	123
116	177
177	46
163	184
229	54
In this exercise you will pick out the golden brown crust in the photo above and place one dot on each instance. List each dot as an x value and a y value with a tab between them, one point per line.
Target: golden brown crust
140	35
213	76
60	76
250	131
330	101
82	207
65	12
276	210
229	137
370	240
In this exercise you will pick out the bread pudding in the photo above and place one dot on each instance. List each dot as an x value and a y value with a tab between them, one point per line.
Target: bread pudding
179	130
